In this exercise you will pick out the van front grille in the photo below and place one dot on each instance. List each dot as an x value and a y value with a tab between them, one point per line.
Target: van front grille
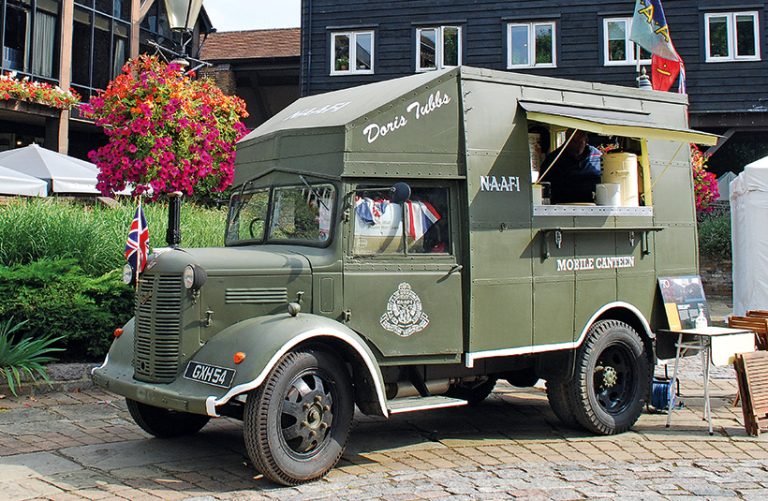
158	328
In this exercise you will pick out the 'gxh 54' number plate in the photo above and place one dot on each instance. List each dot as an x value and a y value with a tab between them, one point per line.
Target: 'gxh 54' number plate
209	374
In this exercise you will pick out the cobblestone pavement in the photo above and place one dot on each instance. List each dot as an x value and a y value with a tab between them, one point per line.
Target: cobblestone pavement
83	445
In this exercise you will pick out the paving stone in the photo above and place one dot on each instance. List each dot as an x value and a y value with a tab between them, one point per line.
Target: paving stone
34	465
26	488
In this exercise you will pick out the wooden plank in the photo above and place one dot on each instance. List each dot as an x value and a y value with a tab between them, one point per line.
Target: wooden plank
752	377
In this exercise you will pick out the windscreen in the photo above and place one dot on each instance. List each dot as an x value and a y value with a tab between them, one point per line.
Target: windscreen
299	214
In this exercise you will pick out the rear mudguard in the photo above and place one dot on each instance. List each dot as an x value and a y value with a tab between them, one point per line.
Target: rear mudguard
263	340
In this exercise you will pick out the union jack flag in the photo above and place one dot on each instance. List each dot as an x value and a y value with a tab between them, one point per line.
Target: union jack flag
137	245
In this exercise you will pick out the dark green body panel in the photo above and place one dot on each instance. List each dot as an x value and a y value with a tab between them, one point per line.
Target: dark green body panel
505	289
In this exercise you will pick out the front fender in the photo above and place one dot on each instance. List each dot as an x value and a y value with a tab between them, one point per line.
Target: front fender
266	339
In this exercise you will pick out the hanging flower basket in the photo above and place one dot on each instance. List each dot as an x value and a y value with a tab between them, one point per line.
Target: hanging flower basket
167	132
36	92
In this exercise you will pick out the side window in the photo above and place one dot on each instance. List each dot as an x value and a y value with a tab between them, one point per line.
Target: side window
732	36
618	49
438	47
531	45
418	226
352	53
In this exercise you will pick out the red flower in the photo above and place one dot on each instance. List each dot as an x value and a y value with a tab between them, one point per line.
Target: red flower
178	134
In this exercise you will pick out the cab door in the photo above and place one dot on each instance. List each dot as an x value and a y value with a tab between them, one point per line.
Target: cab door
402	279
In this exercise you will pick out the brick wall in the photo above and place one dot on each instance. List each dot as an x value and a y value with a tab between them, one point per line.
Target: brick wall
716	277
224	77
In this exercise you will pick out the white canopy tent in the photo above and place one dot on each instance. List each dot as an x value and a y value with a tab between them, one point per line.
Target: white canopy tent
15	183
65	174
749	213
724	185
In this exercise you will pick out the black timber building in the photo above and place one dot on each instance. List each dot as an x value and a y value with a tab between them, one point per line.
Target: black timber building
722	43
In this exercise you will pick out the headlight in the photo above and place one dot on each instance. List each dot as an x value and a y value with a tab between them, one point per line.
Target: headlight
194	277
127	274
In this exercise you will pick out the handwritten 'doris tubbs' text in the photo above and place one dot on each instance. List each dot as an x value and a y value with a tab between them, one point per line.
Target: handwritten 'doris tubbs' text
416	111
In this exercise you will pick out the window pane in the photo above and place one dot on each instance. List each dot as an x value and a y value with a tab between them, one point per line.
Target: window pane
617	41
120	55
519	44
44	44
301	213
617	30
617	50
718	36
644	54
451	46
81	48
247	216
544	46
102	68
427	48
378	224
364	50
427	229
15	55
341	52
745	36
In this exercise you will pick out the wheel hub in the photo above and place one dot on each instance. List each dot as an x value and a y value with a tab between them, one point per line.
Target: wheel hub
314	416
609	377
307	414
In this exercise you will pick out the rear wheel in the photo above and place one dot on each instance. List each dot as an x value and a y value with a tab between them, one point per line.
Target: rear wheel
297	423
558	401
165	423
611	380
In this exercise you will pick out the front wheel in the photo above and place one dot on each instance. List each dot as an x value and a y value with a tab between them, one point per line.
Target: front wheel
165	423
611	379
297	423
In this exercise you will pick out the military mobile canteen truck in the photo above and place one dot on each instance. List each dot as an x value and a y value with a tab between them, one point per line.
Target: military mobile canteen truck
387	247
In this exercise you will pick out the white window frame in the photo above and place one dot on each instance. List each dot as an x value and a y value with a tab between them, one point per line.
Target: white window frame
631	47
439	43
732	36
352	65
532	45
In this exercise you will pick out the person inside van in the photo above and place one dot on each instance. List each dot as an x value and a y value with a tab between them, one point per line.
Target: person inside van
573	170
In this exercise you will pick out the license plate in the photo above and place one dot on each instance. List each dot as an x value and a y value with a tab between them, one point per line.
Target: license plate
210	374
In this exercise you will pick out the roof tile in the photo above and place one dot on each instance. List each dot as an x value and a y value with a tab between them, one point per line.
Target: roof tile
252	44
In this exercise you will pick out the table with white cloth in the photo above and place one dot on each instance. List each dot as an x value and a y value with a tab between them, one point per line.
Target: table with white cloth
717	345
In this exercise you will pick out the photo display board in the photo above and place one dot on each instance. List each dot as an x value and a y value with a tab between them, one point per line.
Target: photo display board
684	301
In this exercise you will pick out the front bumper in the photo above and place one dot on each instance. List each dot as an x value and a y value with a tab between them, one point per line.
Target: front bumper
165	396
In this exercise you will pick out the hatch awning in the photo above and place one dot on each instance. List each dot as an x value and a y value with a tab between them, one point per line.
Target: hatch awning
612	122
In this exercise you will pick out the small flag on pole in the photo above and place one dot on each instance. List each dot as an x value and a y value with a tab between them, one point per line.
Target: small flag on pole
137	245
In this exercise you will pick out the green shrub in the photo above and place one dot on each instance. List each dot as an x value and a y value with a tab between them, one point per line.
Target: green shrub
715	236
59	299
94	235
23	356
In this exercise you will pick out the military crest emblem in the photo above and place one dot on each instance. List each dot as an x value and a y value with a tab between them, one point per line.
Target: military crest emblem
404	315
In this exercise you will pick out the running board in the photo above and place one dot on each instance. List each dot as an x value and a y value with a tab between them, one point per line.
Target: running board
412	404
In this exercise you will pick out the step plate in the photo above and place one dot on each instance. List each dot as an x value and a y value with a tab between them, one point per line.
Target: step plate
412	404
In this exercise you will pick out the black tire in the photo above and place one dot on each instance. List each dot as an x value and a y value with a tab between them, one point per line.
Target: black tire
297	423
611	379
558	401
165	423
473	392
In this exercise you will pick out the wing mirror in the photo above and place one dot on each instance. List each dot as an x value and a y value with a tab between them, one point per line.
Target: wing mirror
401	192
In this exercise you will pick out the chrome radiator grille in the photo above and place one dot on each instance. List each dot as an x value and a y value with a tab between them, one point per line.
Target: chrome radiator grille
158	328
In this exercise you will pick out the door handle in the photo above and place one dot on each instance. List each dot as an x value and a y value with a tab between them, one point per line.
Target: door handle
455	268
